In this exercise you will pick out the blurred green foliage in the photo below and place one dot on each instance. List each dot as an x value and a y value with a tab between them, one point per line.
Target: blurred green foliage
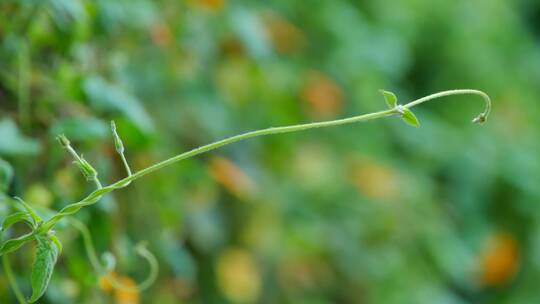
372	213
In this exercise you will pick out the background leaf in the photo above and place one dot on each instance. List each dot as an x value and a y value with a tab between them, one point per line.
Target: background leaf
12	142
86	129
105	96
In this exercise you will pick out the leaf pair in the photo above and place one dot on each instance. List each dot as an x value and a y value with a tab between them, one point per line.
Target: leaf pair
47	250
406	114
30	217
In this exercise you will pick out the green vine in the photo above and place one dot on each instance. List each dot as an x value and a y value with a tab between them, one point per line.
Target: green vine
49	246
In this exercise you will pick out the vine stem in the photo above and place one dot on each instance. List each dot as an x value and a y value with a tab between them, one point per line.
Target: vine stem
96	195
485	96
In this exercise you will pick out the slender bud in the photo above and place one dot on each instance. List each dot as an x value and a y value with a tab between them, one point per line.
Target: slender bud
480	119
62	139
87	170
118	144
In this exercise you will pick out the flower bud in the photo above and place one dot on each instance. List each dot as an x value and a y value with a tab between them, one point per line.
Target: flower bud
62	139
479	119
87	170
117	141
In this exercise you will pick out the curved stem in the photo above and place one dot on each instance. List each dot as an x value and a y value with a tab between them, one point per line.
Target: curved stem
94	196
140	249
480	118
88	245
12	280
152	262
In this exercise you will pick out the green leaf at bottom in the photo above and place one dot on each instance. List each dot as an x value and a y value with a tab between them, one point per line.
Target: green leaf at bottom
46	256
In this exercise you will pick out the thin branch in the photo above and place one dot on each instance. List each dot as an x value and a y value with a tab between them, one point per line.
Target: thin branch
96	195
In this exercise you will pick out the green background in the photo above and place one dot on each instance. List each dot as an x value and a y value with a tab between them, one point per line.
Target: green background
377	212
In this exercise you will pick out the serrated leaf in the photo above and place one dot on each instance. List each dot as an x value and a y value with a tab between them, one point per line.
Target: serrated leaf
14	244
410	118
390	98
46	256
15	218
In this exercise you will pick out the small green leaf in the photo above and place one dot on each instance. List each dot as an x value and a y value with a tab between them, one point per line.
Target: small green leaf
30	210
14	244
409	118
46	256
15	218
390	98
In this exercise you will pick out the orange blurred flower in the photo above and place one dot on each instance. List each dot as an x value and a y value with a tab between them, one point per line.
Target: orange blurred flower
231	46
161	35
121	296
499	260
230	176
374	180
126	296
285	36
213	5
322	95
104	282
304	273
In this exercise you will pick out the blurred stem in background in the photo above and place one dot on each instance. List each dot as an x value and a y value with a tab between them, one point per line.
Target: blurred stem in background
23	89
12	280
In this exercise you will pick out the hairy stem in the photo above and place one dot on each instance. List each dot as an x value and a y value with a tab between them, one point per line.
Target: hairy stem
95	196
